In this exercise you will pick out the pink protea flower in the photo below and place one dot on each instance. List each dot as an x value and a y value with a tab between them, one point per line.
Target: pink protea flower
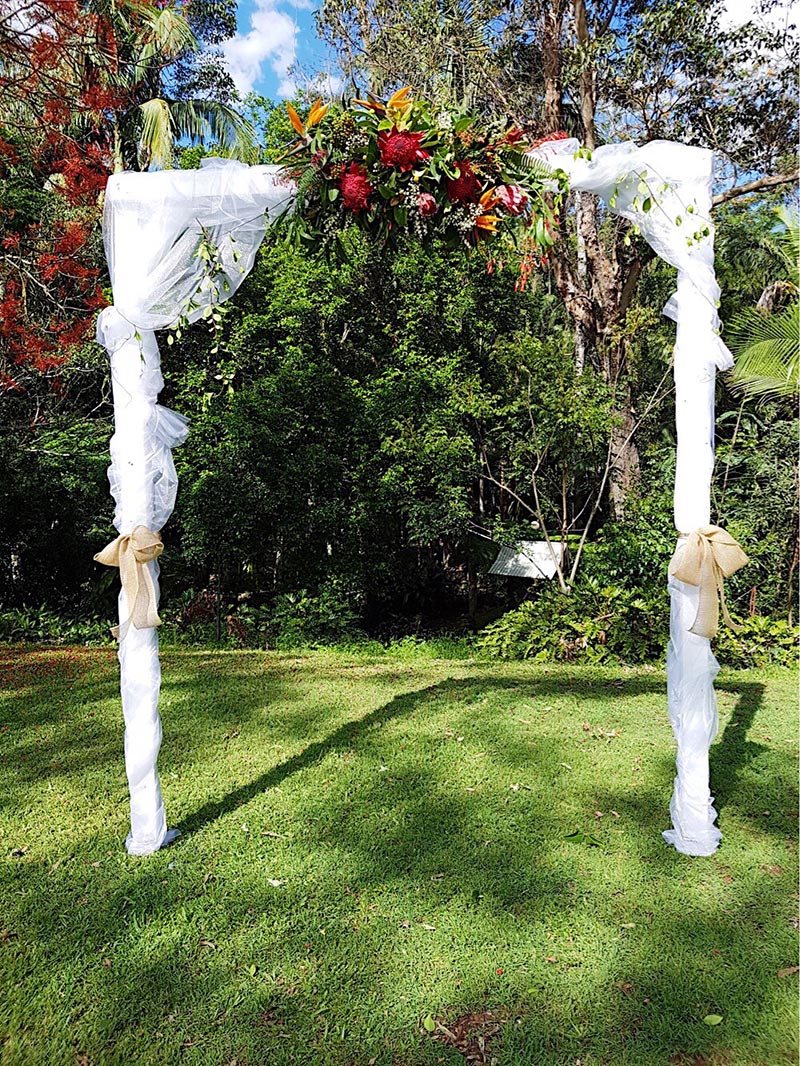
512	197
426	205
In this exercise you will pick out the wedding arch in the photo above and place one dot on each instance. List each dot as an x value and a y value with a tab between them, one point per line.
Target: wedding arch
154	224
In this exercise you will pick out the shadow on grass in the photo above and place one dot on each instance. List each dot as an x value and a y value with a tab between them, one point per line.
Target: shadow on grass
410	843
732	751
728	756
402	706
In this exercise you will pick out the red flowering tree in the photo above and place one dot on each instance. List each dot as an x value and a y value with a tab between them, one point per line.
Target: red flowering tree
54	161
81	94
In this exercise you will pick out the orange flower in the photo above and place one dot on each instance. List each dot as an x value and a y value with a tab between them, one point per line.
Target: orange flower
399	98
487	222
317	113
296	121
373	104
489	199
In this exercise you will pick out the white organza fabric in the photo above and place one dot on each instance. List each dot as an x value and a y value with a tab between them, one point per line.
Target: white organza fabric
677	180
153	226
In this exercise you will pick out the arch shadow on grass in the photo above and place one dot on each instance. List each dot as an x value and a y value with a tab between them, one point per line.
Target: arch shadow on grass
658	963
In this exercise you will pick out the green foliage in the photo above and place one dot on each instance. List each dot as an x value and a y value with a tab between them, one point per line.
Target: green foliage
53	513
611	624
755	496
41	625
767	347
272	125
765	339
301	620
759	642
594	623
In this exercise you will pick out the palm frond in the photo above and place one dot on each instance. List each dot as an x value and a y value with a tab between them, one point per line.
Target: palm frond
789	243
156	135
165	34
767	350
208	121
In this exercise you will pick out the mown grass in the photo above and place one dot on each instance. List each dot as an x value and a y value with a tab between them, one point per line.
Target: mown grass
372	841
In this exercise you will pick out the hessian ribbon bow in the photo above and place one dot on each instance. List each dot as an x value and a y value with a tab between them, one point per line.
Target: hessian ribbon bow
131	553
709	555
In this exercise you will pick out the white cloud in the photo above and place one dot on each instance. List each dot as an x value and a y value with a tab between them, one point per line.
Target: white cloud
272	38
326	85
738	12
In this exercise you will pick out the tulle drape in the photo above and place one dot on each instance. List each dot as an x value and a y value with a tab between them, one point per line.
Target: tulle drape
154	226
676	222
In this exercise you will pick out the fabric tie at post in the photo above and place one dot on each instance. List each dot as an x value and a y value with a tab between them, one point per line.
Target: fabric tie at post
131	553
709	555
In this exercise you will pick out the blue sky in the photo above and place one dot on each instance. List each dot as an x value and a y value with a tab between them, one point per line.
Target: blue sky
276	49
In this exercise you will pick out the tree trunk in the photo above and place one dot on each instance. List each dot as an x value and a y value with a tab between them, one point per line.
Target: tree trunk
587	77
625	466
551	63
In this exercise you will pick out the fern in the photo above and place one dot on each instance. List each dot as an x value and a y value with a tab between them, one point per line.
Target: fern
535	168
307	183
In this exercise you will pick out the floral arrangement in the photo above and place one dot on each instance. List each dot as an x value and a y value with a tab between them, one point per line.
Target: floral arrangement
395	166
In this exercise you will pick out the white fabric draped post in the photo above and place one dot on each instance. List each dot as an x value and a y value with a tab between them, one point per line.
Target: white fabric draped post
153	227
678	227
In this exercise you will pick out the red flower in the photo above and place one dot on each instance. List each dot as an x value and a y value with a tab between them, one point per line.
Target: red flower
356	188
426	205
512	198
466	188
401	148
559	135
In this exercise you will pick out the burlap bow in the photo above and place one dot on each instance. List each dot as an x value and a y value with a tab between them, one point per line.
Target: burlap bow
131	553
709	555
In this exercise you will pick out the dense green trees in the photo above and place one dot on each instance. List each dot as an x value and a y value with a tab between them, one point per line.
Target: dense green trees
367	432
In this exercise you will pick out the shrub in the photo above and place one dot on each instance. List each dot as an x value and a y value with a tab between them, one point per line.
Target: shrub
610	623
299	619
593	623
759	642
40	625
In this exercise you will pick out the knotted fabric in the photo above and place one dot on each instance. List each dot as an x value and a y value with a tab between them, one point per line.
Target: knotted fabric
131	553
709	555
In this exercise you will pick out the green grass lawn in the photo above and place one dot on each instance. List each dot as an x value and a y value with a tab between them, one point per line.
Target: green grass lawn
373	843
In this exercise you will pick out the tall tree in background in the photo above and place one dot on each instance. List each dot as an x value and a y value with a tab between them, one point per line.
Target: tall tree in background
605	71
